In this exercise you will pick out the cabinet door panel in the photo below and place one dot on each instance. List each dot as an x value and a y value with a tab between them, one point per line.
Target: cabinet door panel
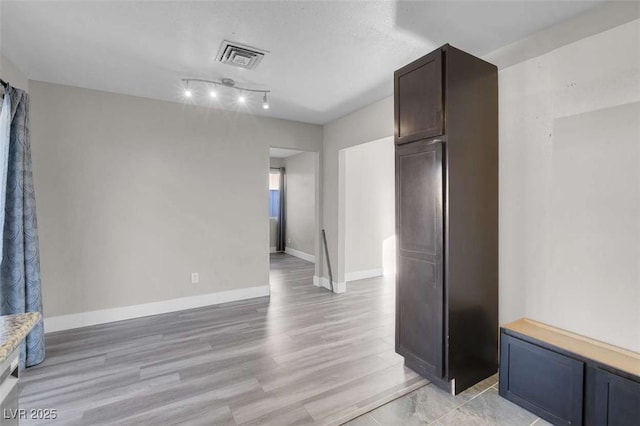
542	381
420	221
419	99
419	285
617	400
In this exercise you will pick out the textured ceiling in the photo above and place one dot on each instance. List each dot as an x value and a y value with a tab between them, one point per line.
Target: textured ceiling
327	58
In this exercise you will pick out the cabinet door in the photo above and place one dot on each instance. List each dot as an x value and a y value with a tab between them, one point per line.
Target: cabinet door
419	281
542	381
418	99
617	400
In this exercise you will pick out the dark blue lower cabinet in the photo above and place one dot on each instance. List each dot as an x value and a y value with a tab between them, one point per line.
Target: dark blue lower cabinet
563	388
544	382
617	400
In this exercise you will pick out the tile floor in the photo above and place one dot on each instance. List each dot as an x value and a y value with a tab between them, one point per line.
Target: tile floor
480	405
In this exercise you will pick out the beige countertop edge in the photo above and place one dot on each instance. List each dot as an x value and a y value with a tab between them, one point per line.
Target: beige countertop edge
13	330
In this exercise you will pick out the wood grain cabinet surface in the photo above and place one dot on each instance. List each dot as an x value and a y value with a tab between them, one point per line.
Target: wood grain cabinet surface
542	381
419	103
568	379
617	400
446	135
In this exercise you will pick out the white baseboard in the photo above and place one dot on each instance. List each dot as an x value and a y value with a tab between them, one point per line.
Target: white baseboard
273	249
84	319
317	281
300	254
324	282
361	275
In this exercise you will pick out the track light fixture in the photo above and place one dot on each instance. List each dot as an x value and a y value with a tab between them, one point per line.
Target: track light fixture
187	92
227	83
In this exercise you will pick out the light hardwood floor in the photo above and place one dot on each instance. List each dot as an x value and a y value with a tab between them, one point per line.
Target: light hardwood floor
302	356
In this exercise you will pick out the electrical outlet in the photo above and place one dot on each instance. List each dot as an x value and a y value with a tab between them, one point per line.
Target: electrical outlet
288	240
195	278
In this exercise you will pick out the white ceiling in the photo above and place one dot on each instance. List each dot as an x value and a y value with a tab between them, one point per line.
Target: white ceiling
327	58
282	152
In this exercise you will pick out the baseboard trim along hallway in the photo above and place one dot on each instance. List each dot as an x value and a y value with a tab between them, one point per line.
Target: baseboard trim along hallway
102	316
300	254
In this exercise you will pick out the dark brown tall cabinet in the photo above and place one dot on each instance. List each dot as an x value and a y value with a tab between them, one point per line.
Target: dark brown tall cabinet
446	135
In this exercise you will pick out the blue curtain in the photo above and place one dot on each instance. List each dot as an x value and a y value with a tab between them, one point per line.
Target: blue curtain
20	269
274	202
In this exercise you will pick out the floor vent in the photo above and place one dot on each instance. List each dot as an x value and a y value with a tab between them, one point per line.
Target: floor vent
238	55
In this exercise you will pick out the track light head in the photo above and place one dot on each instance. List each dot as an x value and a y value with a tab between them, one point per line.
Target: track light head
187	91
265	101
241	99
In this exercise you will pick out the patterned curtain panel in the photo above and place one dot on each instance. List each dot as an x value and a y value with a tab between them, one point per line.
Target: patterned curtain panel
20	269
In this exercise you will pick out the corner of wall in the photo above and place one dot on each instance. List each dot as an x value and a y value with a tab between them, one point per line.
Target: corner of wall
12	74
601	18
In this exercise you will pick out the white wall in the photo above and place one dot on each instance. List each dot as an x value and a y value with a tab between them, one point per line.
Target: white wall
13	75
593	240
546	104
276	162
369	176
301	204
134	194
368	124
273	234
593	73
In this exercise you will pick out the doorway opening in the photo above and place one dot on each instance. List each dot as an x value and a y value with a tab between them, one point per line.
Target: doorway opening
293	211
366	228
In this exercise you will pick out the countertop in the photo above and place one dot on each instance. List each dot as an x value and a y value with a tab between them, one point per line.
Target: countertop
13	329
620	358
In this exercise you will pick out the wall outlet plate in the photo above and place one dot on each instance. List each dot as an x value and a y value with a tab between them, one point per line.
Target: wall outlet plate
195	278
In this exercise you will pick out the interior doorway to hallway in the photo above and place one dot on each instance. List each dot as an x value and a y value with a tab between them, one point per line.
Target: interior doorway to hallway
293	203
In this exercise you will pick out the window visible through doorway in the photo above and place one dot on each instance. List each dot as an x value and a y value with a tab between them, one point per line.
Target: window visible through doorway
277	202
274	194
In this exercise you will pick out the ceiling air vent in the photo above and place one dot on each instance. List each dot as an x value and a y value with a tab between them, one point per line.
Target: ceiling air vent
239	55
